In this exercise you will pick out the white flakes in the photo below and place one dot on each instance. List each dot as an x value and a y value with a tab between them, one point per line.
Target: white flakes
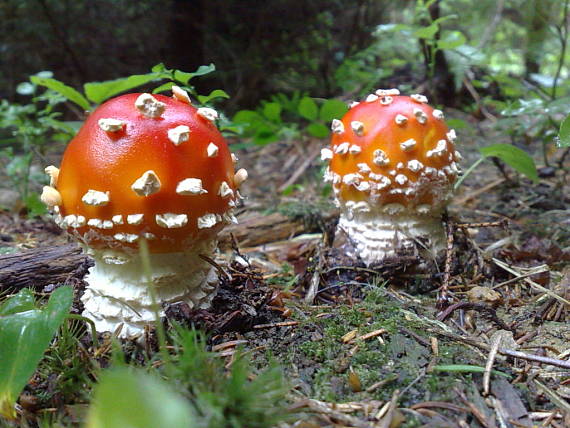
180	94
73	220
408	145
430	171
326	154
438	114
415	165
126	237
400	119
179	134
357	127
149	236
111	125
240	176
363	186
117	219
353	104
451	135
421	117
454	168
207	221
363	168
400	165
380	158
386	100
146	184
423	209
234	158
392	172
106	224
337	127
384	92
350	179
207	113
401	179
419	98
342	148
230	218
212	150
50	196
396	192
149	106
135	219
95	222
53	173
95	198
439	150
354	149
190	186
409	191
171	221
225	190
371	98
458	156
392	209
383	182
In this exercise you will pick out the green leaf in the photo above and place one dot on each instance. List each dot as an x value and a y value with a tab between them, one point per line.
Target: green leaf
216	93
514	157
134	399
24	336
34	205
61	88
564	134
162	88
184	77
427	32
332	109
21	302
318	130
308	108
101	91
272	111
247	116
451	40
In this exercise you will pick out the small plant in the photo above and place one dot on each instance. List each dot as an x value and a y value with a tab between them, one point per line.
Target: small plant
30	128
287	118
25	333
516	158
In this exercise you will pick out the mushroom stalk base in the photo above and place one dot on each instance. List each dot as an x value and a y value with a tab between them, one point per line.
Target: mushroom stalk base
376	235
118	290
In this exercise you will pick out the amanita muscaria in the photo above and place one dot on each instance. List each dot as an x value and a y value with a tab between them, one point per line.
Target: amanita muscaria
392	166
145	167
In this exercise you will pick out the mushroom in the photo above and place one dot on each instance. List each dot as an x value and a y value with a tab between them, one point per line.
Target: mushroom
392	166
145	167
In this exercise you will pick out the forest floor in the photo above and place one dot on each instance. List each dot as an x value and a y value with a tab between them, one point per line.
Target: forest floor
369	348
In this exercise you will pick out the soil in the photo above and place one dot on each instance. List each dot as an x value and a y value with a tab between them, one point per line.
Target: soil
382	347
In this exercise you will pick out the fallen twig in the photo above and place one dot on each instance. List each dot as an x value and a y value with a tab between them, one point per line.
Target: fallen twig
507	352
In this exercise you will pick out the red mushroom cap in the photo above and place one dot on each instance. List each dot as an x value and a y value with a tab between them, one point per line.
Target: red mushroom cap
392	150
146	165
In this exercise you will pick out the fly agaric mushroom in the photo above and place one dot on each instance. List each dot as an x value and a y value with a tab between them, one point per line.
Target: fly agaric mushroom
145	167
392	166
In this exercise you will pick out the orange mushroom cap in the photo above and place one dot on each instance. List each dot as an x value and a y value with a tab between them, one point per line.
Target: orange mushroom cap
392	149
146	165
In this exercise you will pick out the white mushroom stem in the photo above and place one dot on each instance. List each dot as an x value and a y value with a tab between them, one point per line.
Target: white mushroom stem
118	291
377	233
